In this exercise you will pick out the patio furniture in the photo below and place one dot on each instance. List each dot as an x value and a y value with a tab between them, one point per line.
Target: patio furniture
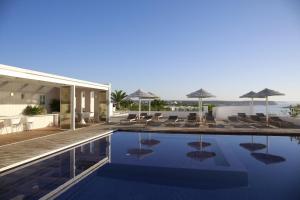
233	119
15	123
28	123
88	117
2	126
171	121
244	118
143	115
209	119
131	118
278	122
157	116
191	120
145	119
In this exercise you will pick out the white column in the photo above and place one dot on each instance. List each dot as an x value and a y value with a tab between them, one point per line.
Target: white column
108	101
92	101
73	107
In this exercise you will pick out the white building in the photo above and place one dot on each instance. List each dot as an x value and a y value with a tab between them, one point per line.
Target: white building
72	101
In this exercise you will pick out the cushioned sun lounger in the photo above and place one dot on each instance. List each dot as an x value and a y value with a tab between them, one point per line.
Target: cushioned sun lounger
131	118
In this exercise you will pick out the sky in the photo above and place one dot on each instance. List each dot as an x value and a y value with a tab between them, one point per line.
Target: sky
169	47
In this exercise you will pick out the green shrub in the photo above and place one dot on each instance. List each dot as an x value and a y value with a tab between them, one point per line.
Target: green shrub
34	110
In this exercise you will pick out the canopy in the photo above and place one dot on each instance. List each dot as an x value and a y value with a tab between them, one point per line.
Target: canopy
140	95
250	95
200	94
266	93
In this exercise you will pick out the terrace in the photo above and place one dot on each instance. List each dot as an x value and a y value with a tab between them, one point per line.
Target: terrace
32	100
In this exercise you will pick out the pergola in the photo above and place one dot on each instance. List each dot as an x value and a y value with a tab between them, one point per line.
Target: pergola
21	86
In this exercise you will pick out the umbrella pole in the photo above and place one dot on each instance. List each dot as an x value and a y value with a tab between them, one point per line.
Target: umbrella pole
252	107
140	107
200	108
267	110
267	144
140	145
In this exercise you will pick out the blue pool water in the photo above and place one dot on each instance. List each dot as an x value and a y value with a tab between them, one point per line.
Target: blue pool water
164	166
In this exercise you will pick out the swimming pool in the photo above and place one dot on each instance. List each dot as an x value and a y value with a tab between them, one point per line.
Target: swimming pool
133	165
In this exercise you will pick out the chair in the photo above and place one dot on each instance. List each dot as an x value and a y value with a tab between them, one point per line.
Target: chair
15	123
209	119
244	118
145	119
157	116
2	126
172	119
192	117
130	119
28	123
143	115
191	120
88	116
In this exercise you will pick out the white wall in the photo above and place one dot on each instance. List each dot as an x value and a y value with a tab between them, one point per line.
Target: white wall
39	121
14	105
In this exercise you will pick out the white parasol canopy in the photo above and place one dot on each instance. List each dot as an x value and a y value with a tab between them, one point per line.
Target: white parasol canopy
266	93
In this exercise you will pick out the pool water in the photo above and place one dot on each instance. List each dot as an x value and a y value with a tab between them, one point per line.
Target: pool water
154	166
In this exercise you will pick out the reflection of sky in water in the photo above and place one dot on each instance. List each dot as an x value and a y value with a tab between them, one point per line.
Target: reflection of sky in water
168	173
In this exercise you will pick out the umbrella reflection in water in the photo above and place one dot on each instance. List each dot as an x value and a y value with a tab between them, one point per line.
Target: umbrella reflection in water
200	154
139	152
253	146
149	141
268	158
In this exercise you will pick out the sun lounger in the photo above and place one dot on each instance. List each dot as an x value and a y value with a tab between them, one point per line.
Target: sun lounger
233	119
143	115
209	119
171	121
131	118
192	117
191	120
145	119
245	118
157	116
278	122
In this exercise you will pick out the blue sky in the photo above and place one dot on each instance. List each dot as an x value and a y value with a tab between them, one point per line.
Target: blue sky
168	47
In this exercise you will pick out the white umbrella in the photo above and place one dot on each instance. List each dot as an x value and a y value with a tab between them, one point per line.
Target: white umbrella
139	94
250	95
266	93
200	94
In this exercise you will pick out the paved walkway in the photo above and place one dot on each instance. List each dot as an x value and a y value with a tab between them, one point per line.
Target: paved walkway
16	154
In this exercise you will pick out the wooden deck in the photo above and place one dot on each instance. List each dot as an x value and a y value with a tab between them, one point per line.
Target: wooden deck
27	135
16	154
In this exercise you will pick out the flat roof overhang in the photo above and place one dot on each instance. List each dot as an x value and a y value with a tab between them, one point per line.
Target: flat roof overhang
16	72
